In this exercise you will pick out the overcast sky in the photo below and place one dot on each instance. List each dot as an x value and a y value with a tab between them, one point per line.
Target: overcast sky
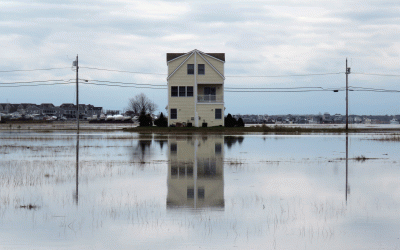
259	38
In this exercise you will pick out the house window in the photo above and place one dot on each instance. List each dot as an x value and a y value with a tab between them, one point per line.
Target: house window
201	69
182	91
173	148
174	91
174	114
190	69
218	113
190	193
218	148
200	193
189	91
189	171
174	171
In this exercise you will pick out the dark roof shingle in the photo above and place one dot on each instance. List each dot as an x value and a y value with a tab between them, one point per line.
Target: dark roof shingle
171	56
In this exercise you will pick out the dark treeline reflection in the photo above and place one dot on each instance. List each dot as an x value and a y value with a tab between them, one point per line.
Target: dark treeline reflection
231	140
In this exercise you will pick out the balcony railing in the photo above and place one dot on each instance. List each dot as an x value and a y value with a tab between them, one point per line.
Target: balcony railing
210	98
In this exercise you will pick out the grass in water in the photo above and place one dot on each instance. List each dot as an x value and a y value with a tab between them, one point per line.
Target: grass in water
242	130
391	137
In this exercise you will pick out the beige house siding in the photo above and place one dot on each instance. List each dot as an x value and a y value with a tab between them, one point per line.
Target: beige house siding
172	65
207	114
210	75
185	112
216	63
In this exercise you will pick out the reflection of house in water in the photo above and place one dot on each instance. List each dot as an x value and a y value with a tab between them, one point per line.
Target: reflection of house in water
195	176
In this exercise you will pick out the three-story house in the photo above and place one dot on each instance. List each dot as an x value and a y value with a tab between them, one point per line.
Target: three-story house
196	88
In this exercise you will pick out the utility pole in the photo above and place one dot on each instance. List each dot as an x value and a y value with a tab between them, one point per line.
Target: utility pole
347	96
347	164
75	63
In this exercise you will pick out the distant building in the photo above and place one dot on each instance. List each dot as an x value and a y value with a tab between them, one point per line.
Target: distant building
67	110
326	118
338	118
196	88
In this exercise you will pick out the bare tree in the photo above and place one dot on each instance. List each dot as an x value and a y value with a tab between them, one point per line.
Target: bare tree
141	103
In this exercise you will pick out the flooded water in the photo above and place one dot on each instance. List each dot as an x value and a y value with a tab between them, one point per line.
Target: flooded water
128	191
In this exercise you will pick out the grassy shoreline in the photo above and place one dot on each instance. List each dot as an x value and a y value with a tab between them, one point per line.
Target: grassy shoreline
274	129
258	129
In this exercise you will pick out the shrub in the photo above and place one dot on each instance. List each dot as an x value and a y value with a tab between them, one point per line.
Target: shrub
230	121
145	120
240	123
161	121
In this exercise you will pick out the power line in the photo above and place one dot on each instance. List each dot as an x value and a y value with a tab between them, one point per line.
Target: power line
148	73
163	87
122	71
276	88
374	74
239	76
277	91
35	85
55	80
132	85
23	70
293	75
102	81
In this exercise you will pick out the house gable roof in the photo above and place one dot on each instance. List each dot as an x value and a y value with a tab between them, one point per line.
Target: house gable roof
217	56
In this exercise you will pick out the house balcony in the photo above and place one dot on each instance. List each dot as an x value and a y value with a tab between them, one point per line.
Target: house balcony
210	98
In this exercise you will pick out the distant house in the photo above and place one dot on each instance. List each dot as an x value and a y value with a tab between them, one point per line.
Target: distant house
23	107
34	110
50	110
338	118
326	118
13	108
196	88
5	108
69	110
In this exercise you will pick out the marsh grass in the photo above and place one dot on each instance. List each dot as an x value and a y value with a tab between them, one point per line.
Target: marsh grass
264	129
29	206
234	162
360	158
388	138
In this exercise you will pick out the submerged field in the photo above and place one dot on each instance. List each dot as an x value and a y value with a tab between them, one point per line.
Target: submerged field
103	190
263	129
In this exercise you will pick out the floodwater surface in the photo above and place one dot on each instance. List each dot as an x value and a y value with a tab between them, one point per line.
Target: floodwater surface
129	191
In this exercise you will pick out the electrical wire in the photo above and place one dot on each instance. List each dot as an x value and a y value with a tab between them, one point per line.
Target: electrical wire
142	86
55	80
100	81
275	88
24	70
277	91
147	73
35	85
121	71
374	74
295	75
